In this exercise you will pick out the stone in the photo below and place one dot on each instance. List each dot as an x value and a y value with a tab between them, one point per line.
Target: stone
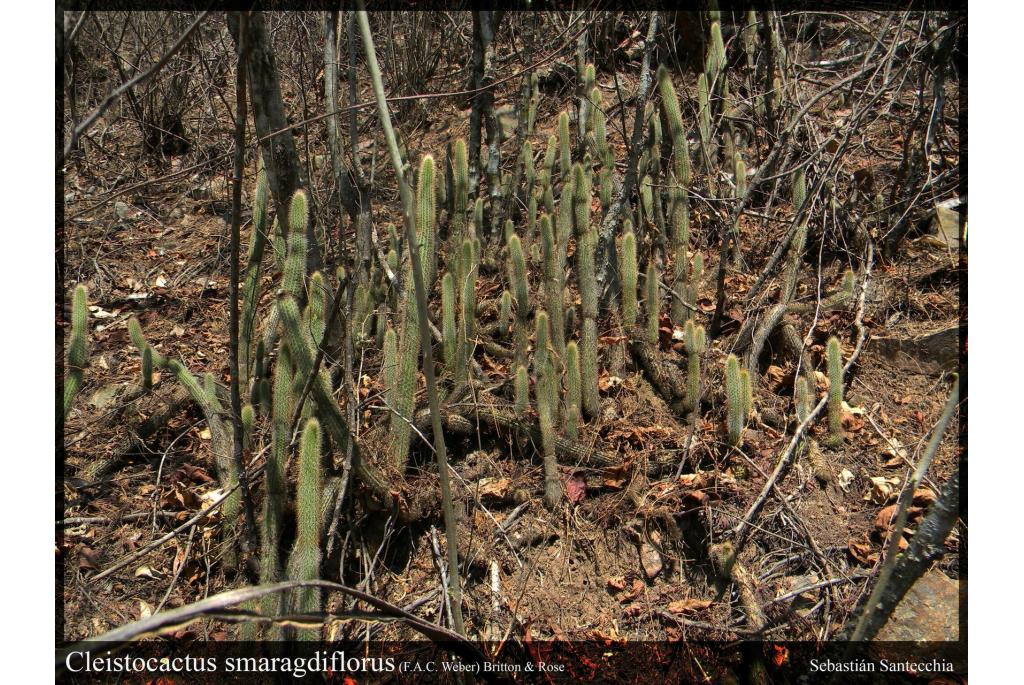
928	613
930	353
121	210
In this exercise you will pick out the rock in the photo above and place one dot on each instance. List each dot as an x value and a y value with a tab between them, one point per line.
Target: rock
930	353
925	625
946	224
104	396
121	210
928	613
177	213
650	559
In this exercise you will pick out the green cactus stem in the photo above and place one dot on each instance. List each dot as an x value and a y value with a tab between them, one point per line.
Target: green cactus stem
77	346
735	404
629	280
304	561
834	362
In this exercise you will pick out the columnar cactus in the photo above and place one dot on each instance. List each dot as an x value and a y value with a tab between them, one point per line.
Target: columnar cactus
629	280
389	366
652	303
804	401
604	153
248	416
834	361
553	288
504	312
404	390
294	281
460	181
565	158
448	334
547	409
573	399
529	172
304	562
521	296
696	274
275	500
669	103
549	164
585	256
77	347
715	61
695	342
316	309
735	403
522	390
467	310
426	216
135	333
741	176
799	193
703	114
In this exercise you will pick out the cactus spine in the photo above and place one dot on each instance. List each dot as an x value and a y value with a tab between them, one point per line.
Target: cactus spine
695	342
77	347
304	562
629	280
735	403
834	361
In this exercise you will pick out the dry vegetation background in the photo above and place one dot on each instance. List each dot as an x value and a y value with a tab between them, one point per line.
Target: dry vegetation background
866	105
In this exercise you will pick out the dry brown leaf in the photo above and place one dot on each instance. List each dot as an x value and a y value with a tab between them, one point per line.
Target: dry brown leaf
494	487
863	552
683	606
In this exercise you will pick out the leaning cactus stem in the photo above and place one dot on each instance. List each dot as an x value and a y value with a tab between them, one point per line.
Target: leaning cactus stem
734	400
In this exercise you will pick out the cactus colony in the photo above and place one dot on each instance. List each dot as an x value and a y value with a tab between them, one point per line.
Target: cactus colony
664	200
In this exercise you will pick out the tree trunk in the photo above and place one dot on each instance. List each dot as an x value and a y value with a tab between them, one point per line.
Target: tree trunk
284	173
